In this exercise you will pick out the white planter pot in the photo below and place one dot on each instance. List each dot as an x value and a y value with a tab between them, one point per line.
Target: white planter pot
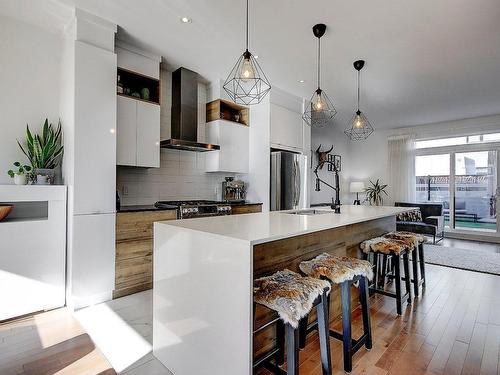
42	180
20	179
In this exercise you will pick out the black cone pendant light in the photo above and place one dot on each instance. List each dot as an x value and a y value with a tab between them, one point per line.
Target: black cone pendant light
319	111
247	84
359	128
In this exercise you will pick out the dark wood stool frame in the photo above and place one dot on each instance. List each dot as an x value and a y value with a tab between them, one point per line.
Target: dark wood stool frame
350	345
375	285
292	342
418	261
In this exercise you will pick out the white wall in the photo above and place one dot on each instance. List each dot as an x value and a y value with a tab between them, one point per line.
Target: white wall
327	137
29	75
182	173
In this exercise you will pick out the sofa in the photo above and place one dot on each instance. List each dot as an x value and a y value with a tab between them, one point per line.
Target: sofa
430	222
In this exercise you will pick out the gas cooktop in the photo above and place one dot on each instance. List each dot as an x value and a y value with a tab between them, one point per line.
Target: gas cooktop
197	208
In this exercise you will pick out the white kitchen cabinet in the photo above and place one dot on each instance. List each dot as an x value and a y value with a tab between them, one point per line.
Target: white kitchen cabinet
94	156
126	144
148	135
138	133
286	128
93	259
233	139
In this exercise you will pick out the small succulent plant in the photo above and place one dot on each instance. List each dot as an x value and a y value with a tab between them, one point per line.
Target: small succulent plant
19	169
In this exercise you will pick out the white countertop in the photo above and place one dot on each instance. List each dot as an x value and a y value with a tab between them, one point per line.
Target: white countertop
269	226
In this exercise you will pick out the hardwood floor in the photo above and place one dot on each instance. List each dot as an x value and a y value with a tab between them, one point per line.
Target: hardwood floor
49	343
453	328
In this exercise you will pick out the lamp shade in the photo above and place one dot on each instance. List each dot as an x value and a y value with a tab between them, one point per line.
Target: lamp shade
357	187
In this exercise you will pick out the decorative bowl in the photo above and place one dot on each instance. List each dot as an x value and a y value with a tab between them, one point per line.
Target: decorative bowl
5	211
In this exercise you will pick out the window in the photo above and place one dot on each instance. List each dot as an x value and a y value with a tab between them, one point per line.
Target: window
456	141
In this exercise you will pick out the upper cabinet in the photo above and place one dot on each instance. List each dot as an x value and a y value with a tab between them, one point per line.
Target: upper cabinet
138	133
138	108
227	126
288	130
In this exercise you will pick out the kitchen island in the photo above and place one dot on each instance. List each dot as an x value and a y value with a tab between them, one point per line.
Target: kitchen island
204	270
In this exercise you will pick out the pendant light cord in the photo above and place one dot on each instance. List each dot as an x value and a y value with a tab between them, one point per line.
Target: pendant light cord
358	90
319	59
247	29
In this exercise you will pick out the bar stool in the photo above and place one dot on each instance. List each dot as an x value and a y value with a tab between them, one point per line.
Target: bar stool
398	250
343	271
417	258
293	297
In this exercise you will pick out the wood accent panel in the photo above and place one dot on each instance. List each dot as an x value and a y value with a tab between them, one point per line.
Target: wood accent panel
288	253
221	109
134	250
246	209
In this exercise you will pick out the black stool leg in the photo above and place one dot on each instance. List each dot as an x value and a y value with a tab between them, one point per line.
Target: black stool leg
397	269
414	262
324	334
422	263
406	265
302	332
346	324
365	309
292	350
384	269
280	342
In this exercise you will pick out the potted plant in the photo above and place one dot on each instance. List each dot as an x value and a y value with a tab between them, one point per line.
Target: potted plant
374	193
44	151
20	173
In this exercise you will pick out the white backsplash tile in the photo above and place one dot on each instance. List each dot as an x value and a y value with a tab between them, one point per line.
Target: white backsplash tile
181	174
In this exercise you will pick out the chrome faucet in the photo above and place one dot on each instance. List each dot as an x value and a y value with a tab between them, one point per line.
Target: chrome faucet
335	203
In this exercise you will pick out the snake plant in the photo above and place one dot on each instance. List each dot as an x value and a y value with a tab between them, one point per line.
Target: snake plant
374	193
43	151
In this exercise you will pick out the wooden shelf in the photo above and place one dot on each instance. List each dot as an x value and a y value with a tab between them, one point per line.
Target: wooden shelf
139	99
221	109
133	82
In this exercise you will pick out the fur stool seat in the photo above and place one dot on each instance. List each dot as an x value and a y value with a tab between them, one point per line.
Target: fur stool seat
289	294
293	297
336	269
414	238
344	271
386	245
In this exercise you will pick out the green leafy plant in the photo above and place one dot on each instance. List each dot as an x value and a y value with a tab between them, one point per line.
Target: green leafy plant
19	170
43	151
374	193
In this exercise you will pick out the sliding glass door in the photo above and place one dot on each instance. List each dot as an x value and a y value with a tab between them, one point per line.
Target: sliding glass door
475	190
464	178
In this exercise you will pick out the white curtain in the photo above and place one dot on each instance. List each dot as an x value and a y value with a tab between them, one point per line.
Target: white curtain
402	168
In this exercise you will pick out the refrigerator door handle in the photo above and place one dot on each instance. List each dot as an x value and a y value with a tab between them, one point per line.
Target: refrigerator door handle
297	183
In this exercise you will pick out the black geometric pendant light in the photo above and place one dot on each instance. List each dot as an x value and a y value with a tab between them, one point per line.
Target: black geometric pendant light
319	110
247	84
358	128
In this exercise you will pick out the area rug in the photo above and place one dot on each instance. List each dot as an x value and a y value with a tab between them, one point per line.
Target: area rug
466	259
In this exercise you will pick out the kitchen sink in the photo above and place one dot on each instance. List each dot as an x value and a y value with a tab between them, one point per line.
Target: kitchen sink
309	212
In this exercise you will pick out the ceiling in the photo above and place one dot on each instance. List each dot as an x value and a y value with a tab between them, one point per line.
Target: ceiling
426	61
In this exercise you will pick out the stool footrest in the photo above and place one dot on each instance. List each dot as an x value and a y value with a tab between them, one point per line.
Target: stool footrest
274	369
388	294
356	343
265	358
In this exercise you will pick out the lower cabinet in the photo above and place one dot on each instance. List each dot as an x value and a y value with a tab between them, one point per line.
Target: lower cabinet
246	208
134	250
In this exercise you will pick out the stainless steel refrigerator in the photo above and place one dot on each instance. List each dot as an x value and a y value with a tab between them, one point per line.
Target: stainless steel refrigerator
289	181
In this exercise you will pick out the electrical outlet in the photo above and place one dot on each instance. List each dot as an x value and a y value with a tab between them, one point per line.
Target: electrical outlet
125	190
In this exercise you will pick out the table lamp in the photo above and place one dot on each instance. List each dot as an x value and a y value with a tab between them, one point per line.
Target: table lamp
357	187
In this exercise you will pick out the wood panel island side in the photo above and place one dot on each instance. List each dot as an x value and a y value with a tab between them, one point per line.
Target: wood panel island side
204	271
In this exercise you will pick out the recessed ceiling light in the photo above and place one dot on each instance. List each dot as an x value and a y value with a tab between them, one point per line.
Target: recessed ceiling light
300	81
186	20
256	56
